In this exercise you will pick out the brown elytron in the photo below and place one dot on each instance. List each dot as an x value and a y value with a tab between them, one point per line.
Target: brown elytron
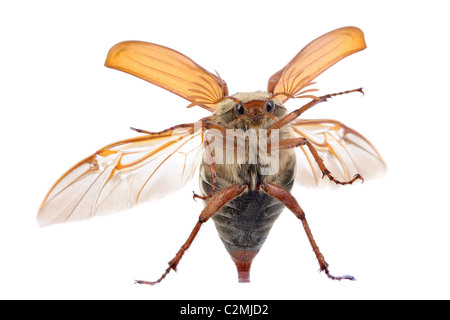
250	150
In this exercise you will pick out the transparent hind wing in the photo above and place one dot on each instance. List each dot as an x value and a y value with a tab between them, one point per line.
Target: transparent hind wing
124	174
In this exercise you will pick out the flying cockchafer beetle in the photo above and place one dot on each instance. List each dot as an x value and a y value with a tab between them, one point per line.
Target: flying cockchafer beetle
250	150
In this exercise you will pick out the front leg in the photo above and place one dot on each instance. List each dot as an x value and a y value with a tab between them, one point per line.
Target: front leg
289	201
296	113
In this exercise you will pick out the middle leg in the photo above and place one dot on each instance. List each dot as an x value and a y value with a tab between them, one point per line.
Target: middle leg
297	142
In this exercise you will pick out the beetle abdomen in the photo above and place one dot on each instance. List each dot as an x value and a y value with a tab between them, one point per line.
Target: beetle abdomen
244	223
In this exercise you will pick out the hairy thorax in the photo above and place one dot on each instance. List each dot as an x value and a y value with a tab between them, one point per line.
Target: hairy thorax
244	155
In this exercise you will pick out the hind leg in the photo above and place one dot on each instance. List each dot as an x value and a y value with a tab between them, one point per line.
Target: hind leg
211	208
292	204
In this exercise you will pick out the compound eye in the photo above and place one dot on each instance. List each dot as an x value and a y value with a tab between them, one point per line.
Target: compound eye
270	106
239	108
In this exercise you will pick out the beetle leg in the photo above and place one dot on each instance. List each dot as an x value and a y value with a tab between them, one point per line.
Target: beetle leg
296	113
211	208
289	201
297	142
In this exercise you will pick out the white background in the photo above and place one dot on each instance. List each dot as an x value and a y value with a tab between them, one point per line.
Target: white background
59	104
